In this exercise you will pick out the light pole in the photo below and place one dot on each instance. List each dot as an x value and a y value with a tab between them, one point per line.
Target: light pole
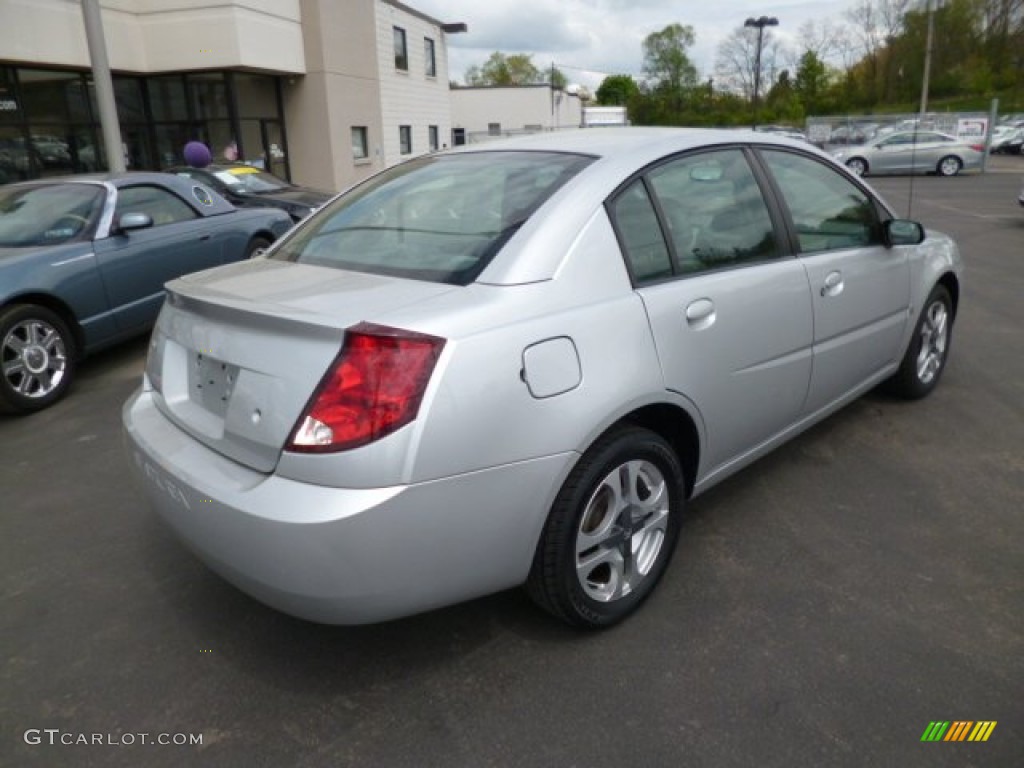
760	24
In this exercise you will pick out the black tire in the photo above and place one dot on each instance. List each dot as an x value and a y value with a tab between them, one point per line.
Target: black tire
857	165
582	587
925	358
950	165
256	244
37	358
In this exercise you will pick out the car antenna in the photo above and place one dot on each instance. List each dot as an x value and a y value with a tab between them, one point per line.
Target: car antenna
913	168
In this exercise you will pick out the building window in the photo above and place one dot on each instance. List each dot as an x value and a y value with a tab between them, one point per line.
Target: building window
494	129
405	139
431	60
401	54
432	135
360	148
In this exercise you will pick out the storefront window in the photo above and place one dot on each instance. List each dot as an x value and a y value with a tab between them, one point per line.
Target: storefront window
45	93
10	106
14	155
49	121
208	96
256	95
167	98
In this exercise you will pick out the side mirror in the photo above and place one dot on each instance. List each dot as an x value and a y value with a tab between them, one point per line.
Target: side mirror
129	221
902	232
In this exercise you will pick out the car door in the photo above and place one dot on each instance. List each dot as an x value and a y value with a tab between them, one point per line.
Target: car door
860	288
893	155
930	148
729	308
136	264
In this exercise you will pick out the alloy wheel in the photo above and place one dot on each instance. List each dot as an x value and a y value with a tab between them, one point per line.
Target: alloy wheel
33	358
622	530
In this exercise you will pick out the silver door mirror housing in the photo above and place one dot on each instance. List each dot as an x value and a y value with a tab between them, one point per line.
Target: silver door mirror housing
129	221
903	232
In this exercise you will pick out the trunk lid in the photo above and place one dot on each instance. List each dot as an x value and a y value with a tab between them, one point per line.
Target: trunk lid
238	351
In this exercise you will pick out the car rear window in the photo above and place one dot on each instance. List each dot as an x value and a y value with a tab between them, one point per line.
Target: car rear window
438	218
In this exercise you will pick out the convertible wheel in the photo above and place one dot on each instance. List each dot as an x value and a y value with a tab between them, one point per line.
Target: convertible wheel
858	166
37	358
925	358
611	531
255	246
949	166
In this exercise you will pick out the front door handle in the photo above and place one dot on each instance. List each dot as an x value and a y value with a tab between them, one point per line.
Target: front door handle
833	285
700	314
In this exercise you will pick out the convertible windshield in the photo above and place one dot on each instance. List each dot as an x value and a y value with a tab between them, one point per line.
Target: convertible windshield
47	215
249	181
438	218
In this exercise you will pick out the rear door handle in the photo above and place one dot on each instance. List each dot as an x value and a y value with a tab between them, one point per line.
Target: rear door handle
833	284
700	314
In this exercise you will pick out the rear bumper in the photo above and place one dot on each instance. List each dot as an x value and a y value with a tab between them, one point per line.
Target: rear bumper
343	556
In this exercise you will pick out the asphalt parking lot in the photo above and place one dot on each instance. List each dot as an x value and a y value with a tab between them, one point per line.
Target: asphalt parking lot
824	606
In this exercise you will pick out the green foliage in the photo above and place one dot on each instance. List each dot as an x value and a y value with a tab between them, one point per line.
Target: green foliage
812	82
666	61
977	54
617	90
513	69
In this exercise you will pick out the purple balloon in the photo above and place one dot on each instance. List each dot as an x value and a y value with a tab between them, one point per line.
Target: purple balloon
197	154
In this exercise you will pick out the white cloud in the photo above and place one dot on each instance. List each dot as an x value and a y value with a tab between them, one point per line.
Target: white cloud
588	38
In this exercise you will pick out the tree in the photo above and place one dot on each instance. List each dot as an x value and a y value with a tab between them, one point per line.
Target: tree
736	60
782	101
811	82
499	69
666	61
556	78
617	90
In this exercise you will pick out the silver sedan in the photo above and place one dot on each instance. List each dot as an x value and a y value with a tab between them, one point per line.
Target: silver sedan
516	363
913	152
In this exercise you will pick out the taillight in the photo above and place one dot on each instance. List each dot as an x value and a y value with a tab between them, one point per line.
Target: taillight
978	147
373	388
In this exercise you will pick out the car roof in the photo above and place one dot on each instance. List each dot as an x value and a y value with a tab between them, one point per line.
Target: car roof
535	252
208	204
621	151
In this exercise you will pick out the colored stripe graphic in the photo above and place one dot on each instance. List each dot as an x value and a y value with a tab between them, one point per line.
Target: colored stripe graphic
935	730
982	730
958	730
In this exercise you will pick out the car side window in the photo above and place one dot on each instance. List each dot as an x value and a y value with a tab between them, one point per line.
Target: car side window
714	211
640	234
162	206
829	211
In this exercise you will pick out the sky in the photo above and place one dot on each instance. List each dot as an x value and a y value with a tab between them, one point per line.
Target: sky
587	39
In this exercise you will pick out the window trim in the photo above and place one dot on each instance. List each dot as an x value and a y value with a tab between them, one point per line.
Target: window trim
881	211
780	225
401	59
405	130
365	142
433	138
196	213
429	57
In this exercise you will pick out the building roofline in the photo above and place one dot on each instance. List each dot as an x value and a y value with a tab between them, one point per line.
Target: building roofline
445	27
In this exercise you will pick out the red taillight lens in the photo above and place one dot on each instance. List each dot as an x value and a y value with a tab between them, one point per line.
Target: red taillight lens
373	388
978	147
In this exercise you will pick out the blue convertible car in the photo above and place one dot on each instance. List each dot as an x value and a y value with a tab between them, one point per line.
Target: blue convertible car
83	262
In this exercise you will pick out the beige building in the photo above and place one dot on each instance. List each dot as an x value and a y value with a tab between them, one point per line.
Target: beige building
482	113
325	92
